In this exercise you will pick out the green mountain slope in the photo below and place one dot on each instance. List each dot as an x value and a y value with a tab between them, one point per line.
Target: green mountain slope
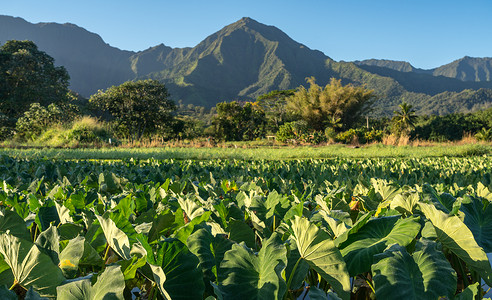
240	62
467	69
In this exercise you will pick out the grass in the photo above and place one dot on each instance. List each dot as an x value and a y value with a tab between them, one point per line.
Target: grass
259	153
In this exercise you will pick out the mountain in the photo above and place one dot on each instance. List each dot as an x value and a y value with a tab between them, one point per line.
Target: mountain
91	63
240	62
401	66
467	69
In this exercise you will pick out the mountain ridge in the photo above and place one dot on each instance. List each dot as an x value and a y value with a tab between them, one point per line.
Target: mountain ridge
239	62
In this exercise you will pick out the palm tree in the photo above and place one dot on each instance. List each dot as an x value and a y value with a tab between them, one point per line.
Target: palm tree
405	118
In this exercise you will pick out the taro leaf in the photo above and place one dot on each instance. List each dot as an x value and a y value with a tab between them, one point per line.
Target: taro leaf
183	276
10	220
250	276
63	213
470	292
359	248
119	233
190	208
161	224
426	274
479	220
30	266
160	279
33	295
48	242
109	285
185	231
301	270
445	202
358	225
318	294
405	202
210	251
483	191
69	231
239	232
7	294
129	267
78	252
455	236
316	247
6	276
386	191
46	215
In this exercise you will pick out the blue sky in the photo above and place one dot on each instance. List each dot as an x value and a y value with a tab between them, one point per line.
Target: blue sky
425	33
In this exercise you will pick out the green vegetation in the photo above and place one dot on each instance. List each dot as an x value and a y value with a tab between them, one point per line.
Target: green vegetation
225	229
243	151
137	108
247	59
143	110
28	75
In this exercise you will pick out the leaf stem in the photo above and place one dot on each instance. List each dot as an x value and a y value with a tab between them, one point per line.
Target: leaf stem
289	282
369	283
106	253
14	284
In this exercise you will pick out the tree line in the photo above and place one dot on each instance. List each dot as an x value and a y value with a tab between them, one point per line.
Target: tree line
36	103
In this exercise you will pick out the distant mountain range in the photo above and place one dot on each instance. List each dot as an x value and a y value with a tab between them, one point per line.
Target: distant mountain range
247	59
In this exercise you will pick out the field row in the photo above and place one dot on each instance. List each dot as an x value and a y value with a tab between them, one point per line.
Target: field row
228	229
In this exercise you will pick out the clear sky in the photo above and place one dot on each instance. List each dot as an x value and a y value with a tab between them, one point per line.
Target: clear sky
426	33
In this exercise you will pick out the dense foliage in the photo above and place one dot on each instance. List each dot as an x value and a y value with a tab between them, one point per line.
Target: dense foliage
236	122
138	107
393	229
28	75
318	106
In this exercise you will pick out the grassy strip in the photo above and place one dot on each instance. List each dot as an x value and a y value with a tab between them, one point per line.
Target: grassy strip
261	153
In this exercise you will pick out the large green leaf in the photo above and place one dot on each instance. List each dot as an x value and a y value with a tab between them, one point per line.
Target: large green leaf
455	236
182	274
10	220
250	276
7	294
30	266
470	292
316	247
426	274
109	285
78	251
48	242
119	233
210	251
478	218
359	248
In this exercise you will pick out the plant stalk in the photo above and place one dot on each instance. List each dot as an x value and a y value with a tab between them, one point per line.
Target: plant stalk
289	282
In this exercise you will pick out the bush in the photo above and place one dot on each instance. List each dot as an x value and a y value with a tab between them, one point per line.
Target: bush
291	131
88	131
361	135
484	135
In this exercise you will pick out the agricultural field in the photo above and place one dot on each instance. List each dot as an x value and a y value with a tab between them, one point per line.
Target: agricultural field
340	228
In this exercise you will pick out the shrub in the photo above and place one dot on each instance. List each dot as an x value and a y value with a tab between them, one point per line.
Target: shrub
484	135
88	130
362	135
291	131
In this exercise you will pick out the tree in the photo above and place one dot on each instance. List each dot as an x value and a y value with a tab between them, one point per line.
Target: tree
320	107
404	120
235	122
28	75
274	106
140	107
